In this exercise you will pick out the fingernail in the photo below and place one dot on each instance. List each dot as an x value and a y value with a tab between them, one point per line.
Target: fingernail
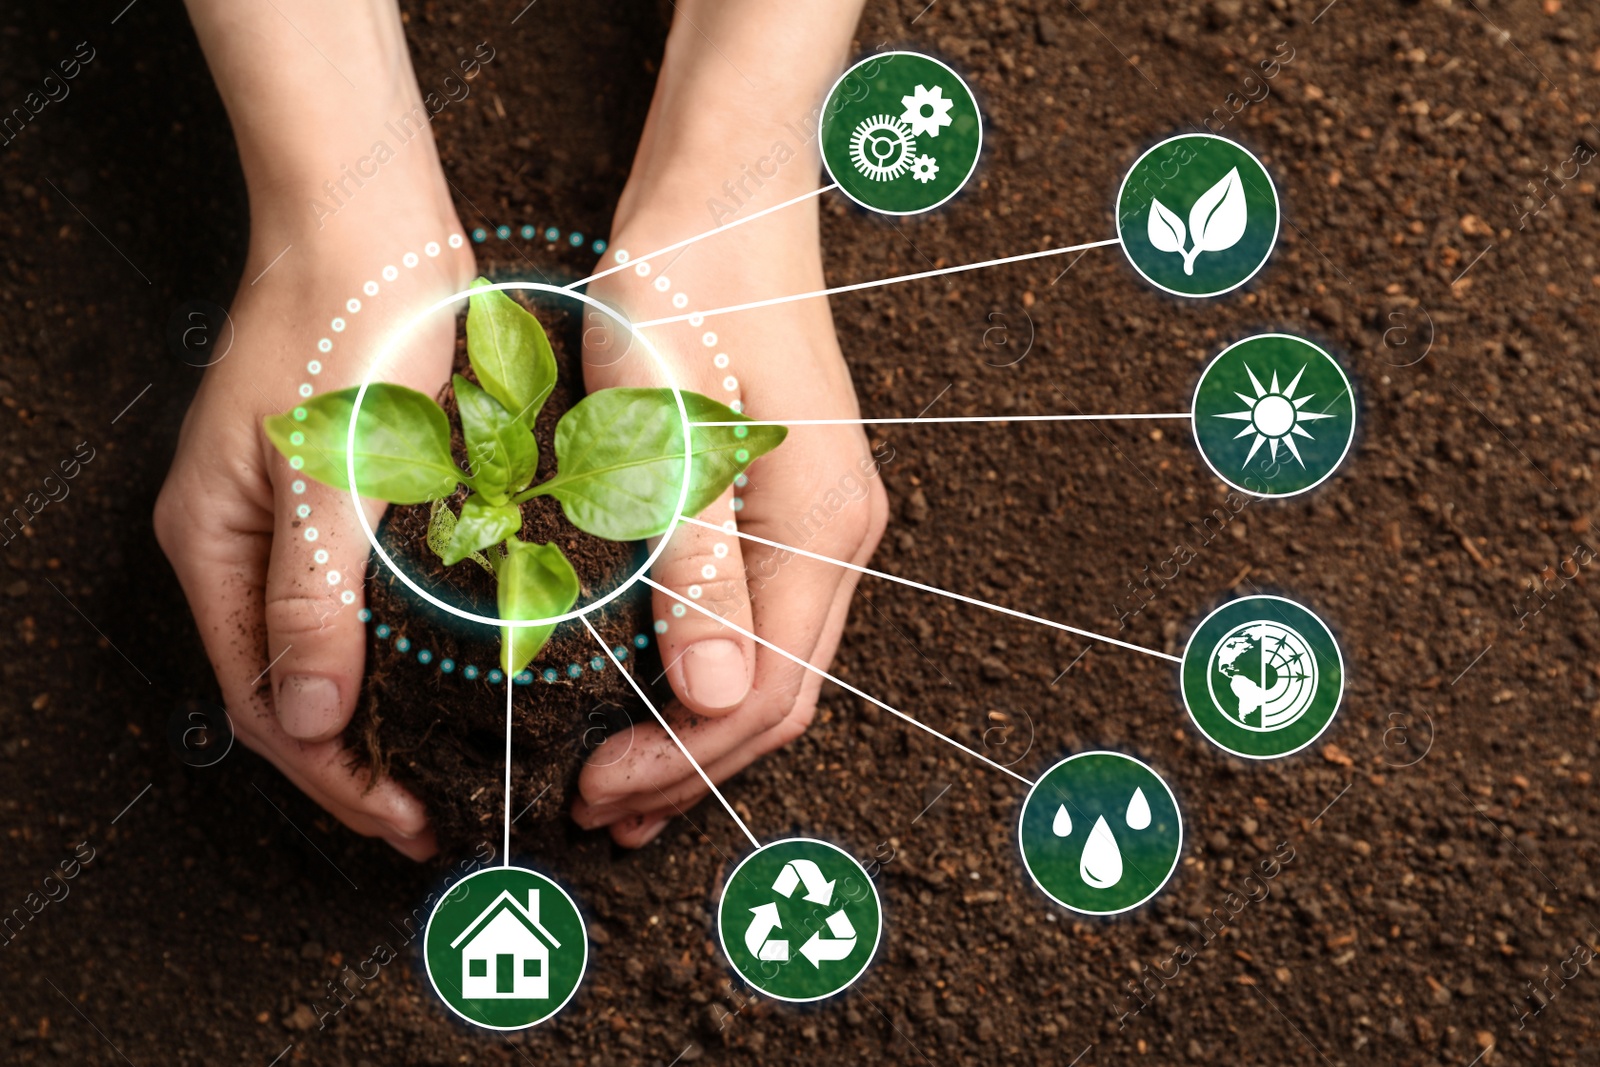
416	849
308	705
714	673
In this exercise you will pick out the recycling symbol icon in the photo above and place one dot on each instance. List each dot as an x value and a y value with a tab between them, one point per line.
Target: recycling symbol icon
793	898
765	923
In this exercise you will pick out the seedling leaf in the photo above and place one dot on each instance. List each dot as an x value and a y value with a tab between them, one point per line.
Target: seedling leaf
536	582
482	524
1218	218
402	443
441	527
1165	228
510	353
619	455
501	451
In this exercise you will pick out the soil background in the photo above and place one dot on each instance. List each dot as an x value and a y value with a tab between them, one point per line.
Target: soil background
1443	833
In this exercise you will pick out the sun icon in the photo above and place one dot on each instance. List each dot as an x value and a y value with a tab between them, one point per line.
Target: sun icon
1274	415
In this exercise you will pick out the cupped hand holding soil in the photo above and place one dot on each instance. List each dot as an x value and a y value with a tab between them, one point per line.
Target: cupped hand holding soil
287	650
738	700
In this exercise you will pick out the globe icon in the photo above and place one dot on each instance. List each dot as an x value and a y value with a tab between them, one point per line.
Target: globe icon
1262	675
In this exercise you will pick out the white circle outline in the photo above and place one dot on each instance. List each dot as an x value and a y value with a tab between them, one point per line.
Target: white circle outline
1338	699
1277	215
723	942
1176	856
382	358
976	110
582	970
1194	415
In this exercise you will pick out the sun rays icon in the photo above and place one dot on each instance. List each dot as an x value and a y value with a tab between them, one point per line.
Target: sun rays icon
1274	415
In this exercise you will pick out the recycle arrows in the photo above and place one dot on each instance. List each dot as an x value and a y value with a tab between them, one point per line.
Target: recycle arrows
818	890
755	938
844	940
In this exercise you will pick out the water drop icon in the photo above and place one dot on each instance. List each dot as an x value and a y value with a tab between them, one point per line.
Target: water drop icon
1062	827
1101	865
1138	811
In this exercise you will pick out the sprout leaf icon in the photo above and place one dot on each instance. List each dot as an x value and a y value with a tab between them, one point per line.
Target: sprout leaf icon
1166	228
1218	218
1216	222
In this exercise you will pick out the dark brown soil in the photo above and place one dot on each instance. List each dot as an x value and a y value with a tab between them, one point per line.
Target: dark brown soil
443	734
1444	834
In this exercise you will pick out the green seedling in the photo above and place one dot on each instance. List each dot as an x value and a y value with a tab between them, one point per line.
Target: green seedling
619	461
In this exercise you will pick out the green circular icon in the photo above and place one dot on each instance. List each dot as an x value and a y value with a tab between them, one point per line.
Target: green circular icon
1197	215
900	133
1273	415
1262	677
800	919
506	948
1100	833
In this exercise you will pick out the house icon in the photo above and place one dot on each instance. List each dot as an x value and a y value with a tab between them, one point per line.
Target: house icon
504	952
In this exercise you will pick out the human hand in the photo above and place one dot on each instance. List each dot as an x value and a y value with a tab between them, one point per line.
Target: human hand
737	700
287	650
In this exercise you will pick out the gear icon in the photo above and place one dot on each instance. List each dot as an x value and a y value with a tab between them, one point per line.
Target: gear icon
882	148
925	169
926	110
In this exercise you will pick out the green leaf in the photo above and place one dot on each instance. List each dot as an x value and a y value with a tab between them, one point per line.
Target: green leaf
402	443
721	453
441	528
510	353
536	582
619	456
482	524
501	452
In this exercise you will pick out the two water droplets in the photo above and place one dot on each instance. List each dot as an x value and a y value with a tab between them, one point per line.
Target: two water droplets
1101	865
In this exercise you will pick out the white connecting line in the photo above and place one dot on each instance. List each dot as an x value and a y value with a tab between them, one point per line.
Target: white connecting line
952	418
932	589
510	685
704	777
698	315
699	237
808	665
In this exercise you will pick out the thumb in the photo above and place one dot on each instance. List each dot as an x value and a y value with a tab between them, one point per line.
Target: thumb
708	665
316	639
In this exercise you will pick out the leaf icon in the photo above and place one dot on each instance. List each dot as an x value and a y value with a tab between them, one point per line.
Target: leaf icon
1166	229
1218	218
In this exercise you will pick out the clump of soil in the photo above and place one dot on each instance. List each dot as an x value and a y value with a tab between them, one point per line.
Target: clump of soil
442	734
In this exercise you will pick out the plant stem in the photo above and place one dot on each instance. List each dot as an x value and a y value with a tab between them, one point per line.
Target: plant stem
542	489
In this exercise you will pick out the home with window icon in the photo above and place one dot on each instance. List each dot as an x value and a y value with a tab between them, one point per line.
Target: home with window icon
505	953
